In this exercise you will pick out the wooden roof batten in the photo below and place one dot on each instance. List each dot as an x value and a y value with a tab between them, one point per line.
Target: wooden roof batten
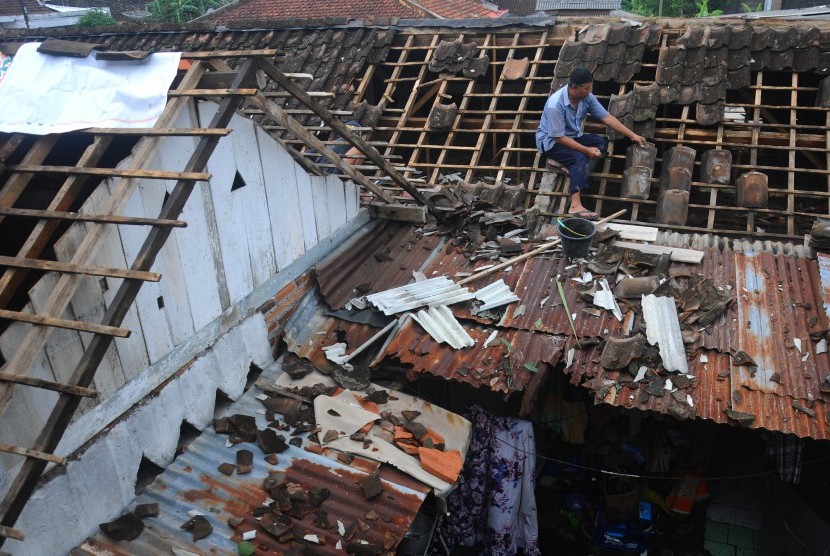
233	93
14	371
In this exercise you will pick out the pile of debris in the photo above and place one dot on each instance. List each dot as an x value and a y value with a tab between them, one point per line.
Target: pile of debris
674	307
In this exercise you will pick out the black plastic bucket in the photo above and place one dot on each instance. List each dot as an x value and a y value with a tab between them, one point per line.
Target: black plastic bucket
576	235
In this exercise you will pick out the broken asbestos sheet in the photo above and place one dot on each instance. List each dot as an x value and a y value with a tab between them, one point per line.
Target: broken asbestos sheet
663	330
344	415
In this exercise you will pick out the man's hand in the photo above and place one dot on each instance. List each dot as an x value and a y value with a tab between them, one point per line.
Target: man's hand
638	139
593	152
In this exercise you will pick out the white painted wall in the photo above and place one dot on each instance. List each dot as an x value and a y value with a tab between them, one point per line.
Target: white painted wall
238	249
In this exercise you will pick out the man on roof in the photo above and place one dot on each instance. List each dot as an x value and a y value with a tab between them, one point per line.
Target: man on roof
560	139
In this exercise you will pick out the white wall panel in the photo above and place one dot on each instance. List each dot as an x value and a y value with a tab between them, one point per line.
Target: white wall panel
254	201
284	203
230	218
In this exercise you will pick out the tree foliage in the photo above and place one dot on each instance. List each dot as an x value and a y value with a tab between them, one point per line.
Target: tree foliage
179	11
96	18
674	8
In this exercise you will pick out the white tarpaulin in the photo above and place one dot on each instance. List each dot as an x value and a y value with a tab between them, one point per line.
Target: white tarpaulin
54	94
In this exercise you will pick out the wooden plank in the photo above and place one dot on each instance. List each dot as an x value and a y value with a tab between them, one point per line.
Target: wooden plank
253	200
81	217
49	385
791	155
88	303
489	115
319	191
26	480
11	533
175	153
61	295
678	254
352	199
516	135
9	449
632	232
156	132
16	183
212	92
211	54
29	410
43	231
19	262
108	172
63	323
288	225
403	213
230	223
353	139
336	193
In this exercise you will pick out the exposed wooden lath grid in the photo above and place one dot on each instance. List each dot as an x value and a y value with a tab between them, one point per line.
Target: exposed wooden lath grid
208	77
492	136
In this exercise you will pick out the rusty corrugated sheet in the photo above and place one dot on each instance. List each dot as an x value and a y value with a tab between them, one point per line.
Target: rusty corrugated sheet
499	367
712	396
778	302
379	257
778	297
192	482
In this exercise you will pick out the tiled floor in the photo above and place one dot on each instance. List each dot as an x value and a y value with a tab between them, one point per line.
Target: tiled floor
734	519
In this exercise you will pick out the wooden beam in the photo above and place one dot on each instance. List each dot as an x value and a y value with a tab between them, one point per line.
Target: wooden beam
42	232
16	183
10	533
276	112
23	358
49	385
108	172
207	55
212	92
678	254
82	217
153	132
404	213
9	449
57	266
64	323
26	480
353	139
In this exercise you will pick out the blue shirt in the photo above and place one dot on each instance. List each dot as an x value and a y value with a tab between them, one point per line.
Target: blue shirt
560	119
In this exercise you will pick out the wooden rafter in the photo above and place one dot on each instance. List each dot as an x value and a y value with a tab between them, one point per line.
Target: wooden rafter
58	299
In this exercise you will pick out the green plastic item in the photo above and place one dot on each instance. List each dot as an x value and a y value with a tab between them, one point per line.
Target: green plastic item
245	549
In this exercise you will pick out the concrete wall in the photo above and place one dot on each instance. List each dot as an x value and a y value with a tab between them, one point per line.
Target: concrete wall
193	333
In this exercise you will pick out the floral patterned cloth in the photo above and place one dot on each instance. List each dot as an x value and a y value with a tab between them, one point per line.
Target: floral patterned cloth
494	499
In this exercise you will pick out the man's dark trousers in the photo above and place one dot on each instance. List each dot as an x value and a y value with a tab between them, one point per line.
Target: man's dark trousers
578	164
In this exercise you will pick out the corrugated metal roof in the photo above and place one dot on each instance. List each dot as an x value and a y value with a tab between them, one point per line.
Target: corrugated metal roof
192	482
763	321
500	366
380	256
712	396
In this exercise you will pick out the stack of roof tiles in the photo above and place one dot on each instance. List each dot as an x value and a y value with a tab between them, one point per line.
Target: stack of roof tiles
702	64
612	51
